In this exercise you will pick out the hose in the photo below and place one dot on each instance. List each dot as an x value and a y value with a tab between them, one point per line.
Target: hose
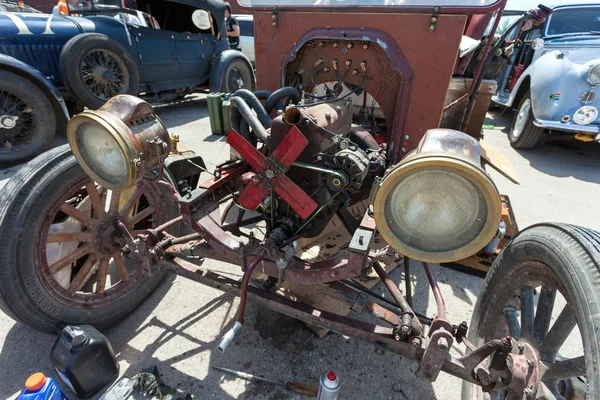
254	122
251	99
279	94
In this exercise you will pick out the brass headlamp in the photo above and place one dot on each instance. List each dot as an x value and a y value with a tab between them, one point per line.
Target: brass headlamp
438	204
120	142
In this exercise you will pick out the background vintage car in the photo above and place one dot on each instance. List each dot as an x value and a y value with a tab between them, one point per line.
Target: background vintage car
110	50
246	22
552	77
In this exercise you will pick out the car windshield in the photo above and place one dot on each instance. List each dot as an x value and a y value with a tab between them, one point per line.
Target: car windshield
574	21
367	3
99	5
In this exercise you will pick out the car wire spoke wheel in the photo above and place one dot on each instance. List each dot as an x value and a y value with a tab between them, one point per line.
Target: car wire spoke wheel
27	119
235	80
237	75
78	250
17	119
538	294
104	73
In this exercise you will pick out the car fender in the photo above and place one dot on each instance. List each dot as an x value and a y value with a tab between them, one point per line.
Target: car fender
515	94
218	68
26	71
557	84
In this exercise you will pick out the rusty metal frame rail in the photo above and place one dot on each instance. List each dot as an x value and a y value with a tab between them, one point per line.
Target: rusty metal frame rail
380	336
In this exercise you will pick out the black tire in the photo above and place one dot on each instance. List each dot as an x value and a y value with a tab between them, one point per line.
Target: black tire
26	294
237	75
33	130
90	84
564	254
523	133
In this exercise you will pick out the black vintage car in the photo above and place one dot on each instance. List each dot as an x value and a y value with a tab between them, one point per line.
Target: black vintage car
159	49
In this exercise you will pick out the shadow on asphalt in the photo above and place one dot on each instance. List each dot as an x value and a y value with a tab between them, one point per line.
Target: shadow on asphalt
556	155
182	112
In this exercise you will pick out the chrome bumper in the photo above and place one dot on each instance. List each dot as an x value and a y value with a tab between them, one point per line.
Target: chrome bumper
593	130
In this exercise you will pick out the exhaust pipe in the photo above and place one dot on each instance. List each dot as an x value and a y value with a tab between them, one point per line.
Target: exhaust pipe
228	337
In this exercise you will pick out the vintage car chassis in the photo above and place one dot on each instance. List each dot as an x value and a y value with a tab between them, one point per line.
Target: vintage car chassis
404	334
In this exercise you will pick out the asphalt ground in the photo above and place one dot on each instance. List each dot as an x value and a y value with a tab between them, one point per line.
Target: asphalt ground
178	327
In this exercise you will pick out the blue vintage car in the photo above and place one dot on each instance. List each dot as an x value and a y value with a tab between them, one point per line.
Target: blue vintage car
159	49
553	76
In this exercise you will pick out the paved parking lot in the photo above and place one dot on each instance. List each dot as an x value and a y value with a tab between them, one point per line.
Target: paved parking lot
178	327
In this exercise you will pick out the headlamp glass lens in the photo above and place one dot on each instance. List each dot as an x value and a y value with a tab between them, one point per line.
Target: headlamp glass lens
436	211
585	115
102	153
594	75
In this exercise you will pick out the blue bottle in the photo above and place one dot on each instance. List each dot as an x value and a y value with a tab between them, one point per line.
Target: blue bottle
40	387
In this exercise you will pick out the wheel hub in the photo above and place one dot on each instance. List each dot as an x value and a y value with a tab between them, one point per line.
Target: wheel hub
8	121
525	372
521	119
107	238
100	74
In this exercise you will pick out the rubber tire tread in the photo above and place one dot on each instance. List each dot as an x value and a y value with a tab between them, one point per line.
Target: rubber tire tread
531	134
578	249
25	190
39	101
70	59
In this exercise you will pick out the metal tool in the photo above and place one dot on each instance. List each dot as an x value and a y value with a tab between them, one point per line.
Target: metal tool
306	390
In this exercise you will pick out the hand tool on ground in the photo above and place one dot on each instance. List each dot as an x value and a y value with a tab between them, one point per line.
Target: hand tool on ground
306	390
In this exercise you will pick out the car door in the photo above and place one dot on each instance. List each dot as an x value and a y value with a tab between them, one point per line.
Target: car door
172	60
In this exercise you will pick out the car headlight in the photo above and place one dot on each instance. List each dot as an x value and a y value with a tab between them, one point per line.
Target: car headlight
593	76
585	115
120	142
438	204
537	43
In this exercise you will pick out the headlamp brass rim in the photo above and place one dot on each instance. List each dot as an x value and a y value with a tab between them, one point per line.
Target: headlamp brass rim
107	122
441	161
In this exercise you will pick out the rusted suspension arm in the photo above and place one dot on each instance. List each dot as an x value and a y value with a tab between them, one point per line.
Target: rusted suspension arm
379	336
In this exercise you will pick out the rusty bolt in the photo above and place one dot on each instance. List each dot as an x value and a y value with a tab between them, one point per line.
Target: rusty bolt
326	69
335	44
443	343
350	45
269	173
348	63
365	46
507	342
529	392
355	72
405	330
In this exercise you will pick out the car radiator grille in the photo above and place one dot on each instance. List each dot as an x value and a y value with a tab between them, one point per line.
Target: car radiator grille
43	57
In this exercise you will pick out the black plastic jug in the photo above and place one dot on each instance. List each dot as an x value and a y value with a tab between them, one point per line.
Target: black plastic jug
84	359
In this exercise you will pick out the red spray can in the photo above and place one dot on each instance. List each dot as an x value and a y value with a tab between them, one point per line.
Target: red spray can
329	386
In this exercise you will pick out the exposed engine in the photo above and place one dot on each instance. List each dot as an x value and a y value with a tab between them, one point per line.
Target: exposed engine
336	168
